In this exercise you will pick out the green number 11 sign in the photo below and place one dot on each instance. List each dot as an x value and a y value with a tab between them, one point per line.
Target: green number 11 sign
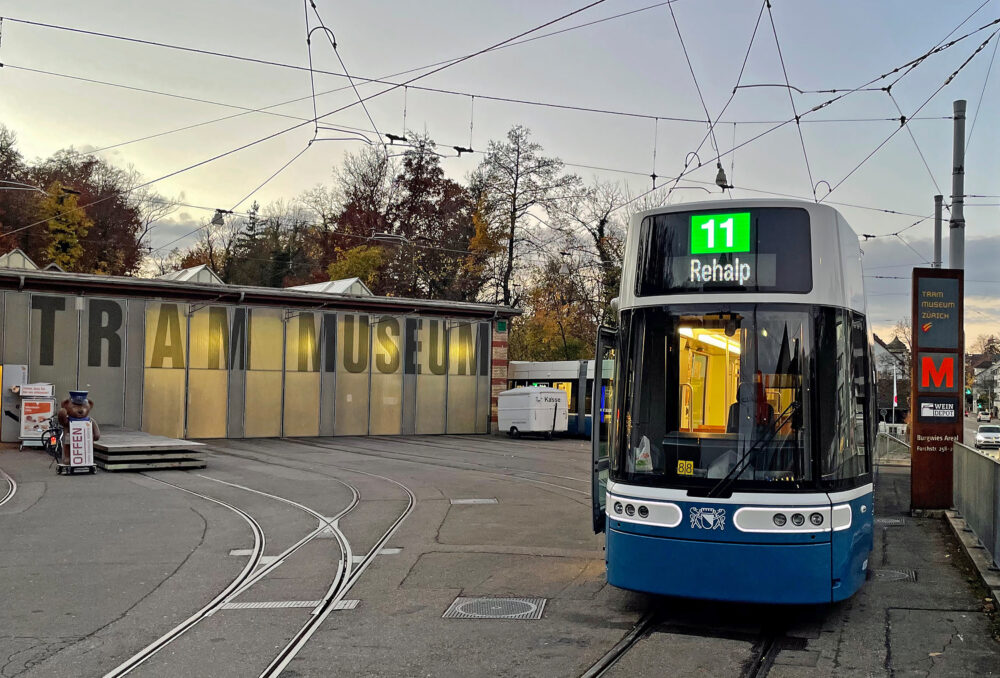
719	233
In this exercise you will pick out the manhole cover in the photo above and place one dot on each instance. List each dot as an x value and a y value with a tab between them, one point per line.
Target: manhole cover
495	608
887	522
900	574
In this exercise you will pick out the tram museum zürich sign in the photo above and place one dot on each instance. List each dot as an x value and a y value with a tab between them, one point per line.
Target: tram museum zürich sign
936	384
201	361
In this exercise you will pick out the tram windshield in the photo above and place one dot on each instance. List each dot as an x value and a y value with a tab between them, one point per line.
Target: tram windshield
751	395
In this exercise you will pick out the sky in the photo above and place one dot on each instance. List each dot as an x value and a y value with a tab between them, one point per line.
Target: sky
634	64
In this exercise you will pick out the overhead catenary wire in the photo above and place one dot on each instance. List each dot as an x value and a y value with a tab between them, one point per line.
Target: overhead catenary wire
909	66
982	92
732	94
791	99
904	122
697	87
299	125
333	44
915	144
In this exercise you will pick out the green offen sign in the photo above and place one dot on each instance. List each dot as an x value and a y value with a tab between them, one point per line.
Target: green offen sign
718	233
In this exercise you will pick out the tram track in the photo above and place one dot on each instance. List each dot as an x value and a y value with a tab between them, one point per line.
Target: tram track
11	487
147	652
610	658
250	575
319	615
765	642
428	461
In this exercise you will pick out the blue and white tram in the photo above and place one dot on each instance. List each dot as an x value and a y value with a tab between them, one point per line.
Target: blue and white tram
733	444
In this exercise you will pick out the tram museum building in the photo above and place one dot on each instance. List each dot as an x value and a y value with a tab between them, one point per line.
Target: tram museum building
190	357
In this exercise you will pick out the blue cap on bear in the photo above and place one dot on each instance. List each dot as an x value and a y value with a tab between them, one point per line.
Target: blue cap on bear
78	397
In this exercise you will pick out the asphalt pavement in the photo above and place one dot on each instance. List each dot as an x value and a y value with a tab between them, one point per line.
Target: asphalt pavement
342	556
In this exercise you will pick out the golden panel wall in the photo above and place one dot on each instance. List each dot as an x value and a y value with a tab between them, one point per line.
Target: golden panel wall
386	409
432	375
462	377
208	372
264	381
302	363
353	351
164	369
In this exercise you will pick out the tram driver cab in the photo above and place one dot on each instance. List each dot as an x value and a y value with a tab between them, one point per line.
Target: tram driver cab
737	403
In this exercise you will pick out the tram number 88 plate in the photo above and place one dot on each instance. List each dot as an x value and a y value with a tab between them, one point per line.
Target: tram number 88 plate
685	468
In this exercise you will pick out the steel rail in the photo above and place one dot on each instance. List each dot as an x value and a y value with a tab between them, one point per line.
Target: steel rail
12	487
323	610
258	548
621	648
346	561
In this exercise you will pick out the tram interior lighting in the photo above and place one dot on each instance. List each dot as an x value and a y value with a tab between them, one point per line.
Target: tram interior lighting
780	519
710	339
798	519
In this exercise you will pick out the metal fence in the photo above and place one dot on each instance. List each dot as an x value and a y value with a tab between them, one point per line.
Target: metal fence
977	495
891	450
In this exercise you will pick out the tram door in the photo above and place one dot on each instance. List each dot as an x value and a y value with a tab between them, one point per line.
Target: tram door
603	420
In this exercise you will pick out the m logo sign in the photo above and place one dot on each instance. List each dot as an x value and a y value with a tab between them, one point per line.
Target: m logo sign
936	371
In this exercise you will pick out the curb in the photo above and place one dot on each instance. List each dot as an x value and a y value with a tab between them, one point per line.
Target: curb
989	575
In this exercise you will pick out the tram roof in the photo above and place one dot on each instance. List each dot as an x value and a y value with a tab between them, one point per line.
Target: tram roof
86	284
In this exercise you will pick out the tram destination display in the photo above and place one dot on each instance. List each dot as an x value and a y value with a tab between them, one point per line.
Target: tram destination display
744	251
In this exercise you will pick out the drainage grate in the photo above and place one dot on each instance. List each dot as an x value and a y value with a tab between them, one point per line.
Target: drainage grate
896	574
889	522
473	501
495	608
285	604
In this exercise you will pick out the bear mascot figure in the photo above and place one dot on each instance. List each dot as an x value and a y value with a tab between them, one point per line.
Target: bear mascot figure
75	408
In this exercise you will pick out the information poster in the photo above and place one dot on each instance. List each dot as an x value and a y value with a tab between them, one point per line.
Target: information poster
81	443
35	415
936	384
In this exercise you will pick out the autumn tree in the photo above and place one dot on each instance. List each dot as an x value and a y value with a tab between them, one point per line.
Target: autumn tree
558	322
513	179
595	230
986	344
67	226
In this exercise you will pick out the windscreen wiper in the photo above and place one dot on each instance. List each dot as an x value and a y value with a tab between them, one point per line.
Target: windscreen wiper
743	461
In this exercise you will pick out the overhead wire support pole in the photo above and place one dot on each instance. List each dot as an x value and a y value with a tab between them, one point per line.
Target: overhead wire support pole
956	232
938	199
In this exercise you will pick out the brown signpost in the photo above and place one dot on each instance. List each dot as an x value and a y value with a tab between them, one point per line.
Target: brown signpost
936	383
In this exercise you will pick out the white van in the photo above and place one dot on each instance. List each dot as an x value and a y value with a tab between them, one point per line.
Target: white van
533	409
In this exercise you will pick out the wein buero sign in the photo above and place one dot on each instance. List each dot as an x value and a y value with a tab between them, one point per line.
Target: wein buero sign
936	383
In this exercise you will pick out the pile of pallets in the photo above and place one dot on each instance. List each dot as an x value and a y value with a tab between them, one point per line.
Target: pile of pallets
125	450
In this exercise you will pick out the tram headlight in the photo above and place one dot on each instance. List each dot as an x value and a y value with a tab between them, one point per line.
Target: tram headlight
629	509
780	519
643	512
798	519
618	507
816	519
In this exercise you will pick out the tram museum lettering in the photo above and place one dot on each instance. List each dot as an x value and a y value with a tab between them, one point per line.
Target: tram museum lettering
203	371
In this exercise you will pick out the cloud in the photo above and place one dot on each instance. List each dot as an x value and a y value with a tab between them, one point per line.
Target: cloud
889	264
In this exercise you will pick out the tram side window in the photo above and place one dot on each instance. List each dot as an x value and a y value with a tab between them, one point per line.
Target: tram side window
860	464
844	423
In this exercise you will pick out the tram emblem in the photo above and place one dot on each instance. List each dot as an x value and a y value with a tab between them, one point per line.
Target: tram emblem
708	518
